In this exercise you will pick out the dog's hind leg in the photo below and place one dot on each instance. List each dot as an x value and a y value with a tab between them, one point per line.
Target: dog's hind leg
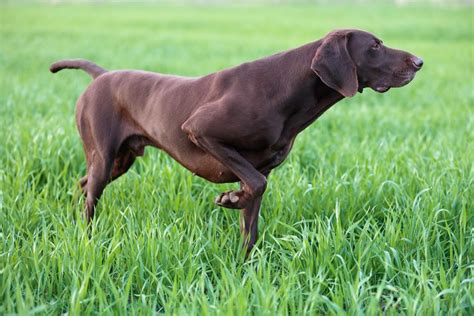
98	176
104	167
130	149
100	154
83	184
121	165
101	173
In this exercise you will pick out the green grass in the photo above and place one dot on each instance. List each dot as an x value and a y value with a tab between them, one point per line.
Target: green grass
372	212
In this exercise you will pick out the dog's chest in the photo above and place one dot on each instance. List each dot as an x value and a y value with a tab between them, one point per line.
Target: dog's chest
277	154
281	155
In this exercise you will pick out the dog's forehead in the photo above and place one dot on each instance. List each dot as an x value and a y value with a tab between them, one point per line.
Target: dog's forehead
366	36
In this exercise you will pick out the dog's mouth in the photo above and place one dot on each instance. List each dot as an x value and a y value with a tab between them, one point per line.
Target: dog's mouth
400	80
407	79
403	78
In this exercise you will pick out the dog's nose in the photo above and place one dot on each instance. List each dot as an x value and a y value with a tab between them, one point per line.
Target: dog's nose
417	62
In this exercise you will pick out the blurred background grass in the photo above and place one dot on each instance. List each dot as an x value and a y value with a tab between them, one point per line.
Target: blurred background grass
372	213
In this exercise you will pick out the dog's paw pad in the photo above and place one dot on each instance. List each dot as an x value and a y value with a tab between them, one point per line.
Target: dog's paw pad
234	198
225	199
230	199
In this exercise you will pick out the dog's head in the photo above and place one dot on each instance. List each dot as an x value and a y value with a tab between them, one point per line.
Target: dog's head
350	60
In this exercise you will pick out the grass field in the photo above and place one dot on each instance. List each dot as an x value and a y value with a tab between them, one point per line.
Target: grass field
372	212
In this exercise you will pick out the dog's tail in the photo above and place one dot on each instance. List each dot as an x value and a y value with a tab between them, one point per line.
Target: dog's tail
89	67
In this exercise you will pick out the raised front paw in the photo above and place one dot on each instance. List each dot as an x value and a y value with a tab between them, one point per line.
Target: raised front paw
232	199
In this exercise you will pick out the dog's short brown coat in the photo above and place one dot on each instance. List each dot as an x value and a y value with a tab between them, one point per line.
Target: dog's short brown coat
233	125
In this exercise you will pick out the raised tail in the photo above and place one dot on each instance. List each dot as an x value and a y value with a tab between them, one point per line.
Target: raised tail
89	67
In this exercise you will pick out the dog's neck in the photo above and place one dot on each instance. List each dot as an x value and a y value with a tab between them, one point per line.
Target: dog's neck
302	94
305	89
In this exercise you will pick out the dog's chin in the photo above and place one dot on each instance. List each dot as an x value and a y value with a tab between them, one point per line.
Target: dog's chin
377	88
381	89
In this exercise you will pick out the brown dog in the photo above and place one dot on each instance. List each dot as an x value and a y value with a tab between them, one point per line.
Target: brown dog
233	125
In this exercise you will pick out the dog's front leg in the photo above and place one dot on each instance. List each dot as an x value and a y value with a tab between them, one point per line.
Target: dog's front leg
202	131
249	197
249	223
252	187
253	183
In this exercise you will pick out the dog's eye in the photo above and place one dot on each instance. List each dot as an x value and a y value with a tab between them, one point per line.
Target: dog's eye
375	46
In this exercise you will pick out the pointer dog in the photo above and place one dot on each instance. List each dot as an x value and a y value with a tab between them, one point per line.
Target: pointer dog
233	125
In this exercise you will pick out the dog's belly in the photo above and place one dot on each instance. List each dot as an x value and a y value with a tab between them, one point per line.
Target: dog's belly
206	166
209	168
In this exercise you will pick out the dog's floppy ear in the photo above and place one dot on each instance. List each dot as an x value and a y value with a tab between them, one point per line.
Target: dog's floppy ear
334	66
